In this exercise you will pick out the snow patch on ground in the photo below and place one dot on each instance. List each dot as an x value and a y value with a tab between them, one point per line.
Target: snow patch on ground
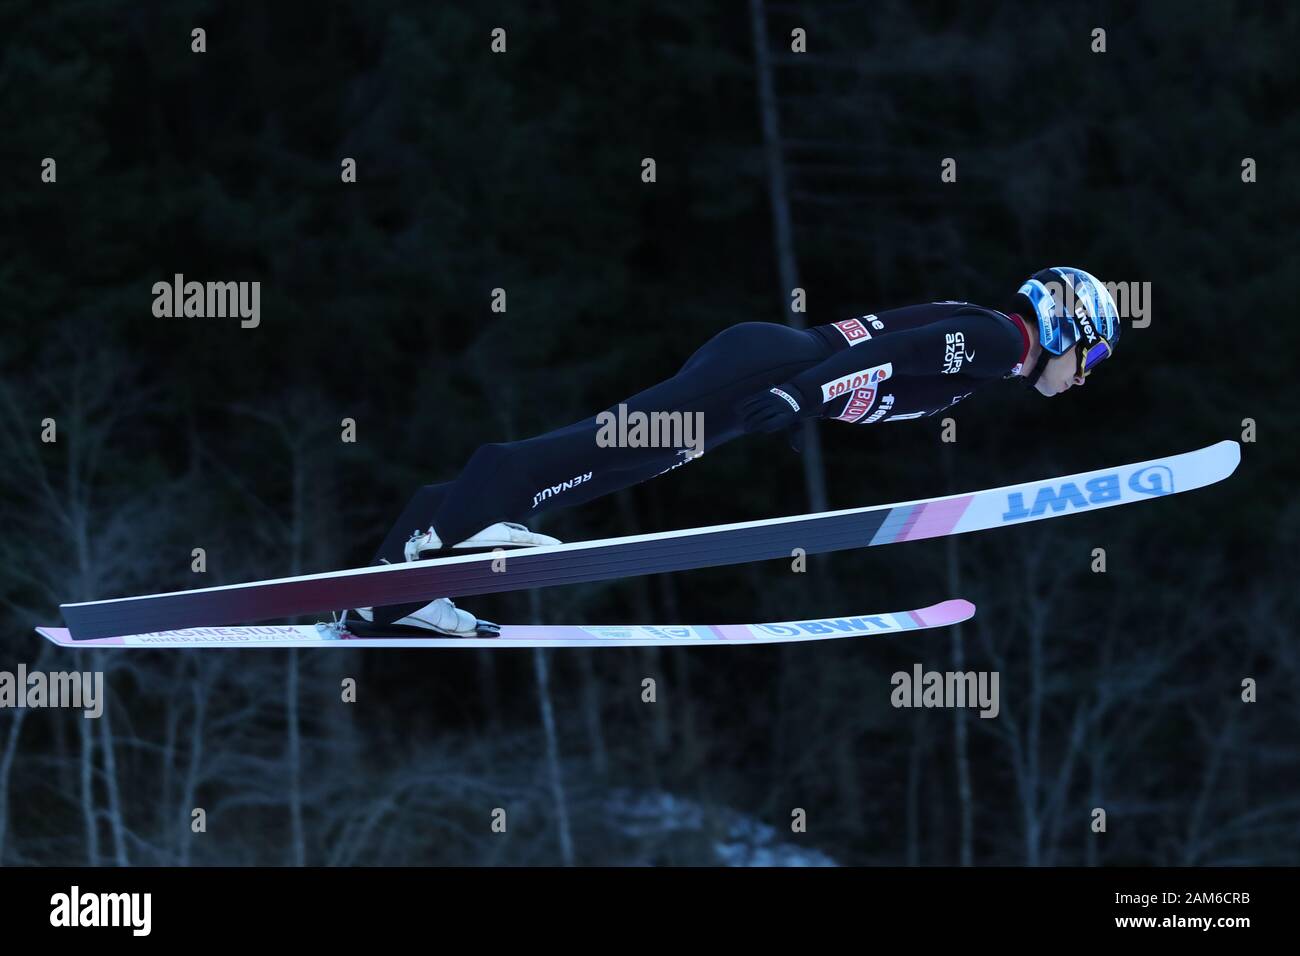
734	838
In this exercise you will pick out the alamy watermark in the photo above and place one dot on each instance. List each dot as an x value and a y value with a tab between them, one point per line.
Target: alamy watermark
76	690
209	300
1132	300
624	429
74	909
922	688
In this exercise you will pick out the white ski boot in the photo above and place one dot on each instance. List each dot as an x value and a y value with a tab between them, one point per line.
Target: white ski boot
503	534
507	534
442	617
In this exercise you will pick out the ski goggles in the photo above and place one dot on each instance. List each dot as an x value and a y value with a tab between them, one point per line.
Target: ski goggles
1091	357
1091	347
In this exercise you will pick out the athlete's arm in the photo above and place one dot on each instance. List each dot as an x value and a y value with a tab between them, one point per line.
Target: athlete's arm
974	345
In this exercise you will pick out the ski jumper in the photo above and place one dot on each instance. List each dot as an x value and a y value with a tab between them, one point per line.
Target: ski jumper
899	364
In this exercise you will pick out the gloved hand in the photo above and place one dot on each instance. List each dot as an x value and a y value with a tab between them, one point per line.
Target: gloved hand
771	410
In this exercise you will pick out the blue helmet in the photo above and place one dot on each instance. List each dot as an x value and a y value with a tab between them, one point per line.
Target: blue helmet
1074	310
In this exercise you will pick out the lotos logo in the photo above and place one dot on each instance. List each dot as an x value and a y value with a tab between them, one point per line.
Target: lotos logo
863	379
1095	491
1155	480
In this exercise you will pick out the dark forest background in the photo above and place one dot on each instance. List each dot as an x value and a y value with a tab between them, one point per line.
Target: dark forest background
522	171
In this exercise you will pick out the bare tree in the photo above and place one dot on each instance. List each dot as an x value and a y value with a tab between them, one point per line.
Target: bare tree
783	229
79	530
553	768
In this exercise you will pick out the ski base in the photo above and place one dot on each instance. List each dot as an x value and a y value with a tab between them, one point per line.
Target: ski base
633	635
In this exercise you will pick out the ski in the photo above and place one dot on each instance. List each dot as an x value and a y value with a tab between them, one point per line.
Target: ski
634	635
584	561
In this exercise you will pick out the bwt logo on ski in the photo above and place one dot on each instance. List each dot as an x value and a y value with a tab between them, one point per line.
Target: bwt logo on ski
851	625
1103	490
76	909
1155	480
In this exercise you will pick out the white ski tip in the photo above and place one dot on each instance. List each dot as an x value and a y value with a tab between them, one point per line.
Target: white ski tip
1231	455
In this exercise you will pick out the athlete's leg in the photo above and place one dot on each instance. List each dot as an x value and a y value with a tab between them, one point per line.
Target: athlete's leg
513	481
415	518
510	481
